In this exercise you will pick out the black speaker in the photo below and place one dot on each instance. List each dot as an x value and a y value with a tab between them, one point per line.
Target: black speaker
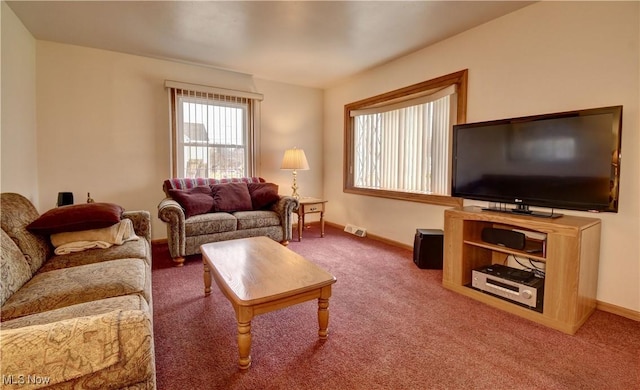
427	248
504	237
64	198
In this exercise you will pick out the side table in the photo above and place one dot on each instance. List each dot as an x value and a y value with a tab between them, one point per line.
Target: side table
310	206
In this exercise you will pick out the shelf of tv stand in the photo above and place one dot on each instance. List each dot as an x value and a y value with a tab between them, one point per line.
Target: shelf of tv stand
537	256
571	259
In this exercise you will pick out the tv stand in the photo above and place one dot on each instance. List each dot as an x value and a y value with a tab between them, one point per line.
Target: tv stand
523	209
571	255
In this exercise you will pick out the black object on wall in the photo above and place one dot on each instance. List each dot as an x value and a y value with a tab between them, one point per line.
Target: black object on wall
427	248
65	198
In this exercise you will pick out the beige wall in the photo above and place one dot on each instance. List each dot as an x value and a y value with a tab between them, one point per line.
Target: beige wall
18	124
292	117
548	57
103	124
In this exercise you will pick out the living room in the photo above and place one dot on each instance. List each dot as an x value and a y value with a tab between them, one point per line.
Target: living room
97	120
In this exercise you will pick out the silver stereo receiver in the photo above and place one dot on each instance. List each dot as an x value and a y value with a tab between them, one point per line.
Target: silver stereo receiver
511	284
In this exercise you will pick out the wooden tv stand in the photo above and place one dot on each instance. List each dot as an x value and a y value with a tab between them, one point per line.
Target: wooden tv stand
571	256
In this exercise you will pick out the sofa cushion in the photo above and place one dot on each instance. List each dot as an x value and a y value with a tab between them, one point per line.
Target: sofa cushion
138	249
106	351
17	213
256	219
101	306
263	195
75	218
66	287
72	348
209	224
14	269
231	197
194	201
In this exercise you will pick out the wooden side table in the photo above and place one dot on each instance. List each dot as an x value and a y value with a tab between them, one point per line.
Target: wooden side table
310	206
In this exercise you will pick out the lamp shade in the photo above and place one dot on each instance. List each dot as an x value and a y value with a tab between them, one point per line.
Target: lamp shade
295	159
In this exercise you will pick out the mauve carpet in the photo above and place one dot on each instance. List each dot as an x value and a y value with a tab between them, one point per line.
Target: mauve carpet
392	326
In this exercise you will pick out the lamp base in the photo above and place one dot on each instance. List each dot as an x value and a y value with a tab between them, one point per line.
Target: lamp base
294	187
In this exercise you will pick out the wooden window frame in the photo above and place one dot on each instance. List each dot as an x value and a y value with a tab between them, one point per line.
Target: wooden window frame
457	78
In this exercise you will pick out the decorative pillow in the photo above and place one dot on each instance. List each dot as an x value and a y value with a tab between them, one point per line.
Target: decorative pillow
194	201
78	217
190	182
231	197
263	195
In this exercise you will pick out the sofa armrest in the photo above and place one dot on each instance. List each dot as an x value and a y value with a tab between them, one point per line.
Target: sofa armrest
114	347
171	212
285	207
141	222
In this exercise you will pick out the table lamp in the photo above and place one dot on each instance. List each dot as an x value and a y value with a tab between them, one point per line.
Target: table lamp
295	160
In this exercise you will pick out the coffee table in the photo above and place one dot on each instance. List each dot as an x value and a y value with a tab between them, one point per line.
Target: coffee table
259	275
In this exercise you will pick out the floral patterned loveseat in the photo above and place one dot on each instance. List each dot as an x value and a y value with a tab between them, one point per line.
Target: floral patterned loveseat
201	210
81	320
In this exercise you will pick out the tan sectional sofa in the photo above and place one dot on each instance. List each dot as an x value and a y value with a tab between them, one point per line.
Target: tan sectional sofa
81	320
187	231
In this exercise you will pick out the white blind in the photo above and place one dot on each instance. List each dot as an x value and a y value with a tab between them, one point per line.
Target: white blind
407	101
404	146
212	90
212	133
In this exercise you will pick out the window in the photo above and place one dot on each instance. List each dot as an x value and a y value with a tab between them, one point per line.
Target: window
213	131
398	144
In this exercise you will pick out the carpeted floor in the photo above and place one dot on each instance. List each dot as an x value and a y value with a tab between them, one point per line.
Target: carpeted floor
392	326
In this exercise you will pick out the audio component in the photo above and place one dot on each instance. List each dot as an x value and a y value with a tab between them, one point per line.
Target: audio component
509	238
510	284
427	248
64	198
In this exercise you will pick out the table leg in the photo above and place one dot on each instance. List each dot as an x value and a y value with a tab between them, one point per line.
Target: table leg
323	313
300	226
207	278
322	224
244	344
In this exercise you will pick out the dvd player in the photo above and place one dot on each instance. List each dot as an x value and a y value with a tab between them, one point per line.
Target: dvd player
511	284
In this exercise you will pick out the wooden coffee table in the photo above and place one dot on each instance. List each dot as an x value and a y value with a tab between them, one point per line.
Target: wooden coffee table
259	275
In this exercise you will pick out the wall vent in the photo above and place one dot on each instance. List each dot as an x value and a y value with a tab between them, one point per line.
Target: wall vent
355	230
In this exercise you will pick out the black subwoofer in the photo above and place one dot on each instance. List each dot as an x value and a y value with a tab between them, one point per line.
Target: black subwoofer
427	248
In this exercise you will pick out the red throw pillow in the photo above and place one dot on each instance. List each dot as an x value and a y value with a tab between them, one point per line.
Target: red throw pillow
73	218
230	197
194	201
263	195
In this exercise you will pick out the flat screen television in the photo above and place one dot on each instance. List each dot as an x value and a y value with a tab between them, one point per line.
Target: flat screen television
568	160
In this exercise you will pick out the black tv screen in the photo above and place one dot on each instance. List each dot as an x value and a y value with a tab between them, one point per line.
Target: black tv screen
568	160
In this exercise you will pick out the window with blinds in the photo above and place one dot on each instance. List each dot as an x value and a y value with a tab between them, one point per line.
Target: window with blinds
213	131
398	144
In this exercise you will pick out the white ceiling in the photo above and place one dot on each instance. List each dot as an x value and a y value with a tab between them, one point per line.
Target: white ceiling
308	43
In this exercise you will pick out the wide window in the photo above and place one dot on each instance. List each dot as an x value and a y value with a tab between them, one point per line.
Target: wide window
213	132
398	144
